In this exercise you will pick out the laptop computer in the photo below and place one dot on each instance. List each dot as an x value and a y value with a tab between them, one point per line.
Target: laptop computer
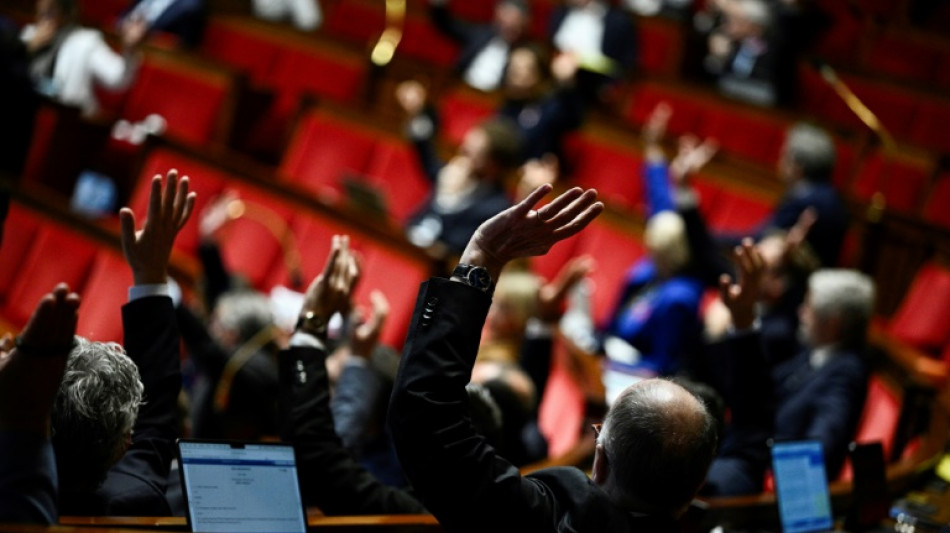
241	487
801	487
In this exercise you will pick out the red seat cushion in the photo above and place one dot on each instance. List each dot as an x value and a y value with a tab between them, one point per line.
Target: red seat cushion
323	150
106	291
936	208
923	318
57	255
231	43
616	173
901	181
461	112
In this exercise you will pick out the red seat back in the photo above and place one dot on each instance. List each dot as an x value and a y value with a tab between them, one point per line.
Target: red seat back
190	99
614	251
735	211
616	173
422	41
395	170
935	210
231	43
250	245
901	181
660	46
923	318
106	291
19	234
461	112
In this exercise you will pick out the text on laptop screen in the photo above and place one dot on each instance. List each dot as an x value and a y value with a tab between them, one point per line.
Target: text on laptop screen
801	486
241	488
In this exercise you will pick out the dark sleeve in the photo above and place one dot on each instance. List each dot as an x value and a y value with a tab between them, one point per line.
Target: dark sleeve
136	484
706	263
424	144
217	279
785	215
450	26
329	476
209	357
356	396
620	40
836	413
457	474
28	482
536	361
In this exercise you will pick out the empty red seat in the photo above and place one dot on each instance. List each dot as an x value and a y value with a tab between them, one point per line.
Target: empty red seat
923	318
616	173
756	136
192	100
106	291
687	111
461	111
398	277
57	255
893	105
208	182
102	13
19	234
937	201
324	150
235	44
356	22
335	74
879	420
563	407
660	46
929	128
903	56
901	180
395	170
422	41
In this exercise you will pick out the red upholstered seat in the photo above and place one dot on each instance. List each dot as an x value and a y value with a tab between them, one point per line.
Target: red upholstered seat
102	13
615	251
325	73
324	150
190	99
936	210
923	318
562	407
57	255
903	56
660	46
459	112
106	291
237	45
249	245
422	41
398	277
19	234
893	105
734	211
395	170
929	128
879	420
206	181
755	136
687	112
902	181
313	234
356	22
617	174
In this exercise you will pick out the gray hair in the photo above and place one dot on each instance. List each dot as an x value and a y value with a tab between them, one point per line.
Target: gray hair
244	311
94	411
755	12
665	238
812	149
659	440
847	295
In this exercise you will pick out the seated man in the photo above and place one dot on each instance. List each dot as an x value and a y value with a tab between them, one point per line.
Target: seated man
645	473
820	392
484	48
30	371
113	451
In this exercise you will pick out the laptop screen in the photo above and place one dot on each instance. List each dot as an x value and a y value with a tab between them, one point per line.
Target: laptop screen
801	486
241	488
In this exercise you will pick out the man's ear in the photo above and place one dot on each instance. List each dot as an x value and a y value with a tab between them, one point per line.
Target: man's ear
601	469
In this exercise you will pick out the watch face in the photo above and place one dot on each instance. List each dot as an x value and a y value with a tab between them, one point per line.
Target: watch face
479	278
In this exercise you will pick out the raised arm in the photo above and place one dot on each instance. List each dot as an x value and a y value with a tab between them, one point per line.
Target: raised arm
152	340
30	371
457	474
331	479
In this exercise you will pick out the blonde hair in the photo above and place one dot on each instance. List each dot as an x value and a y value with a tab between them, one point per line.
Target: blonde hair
665	239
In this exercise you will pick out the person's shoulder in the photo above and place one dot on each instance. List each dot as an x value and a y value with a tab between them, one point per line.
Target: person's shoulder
683	290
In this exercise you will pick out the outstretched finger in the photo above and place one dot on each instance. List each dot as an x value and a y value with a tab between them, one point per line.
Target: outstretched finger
563	200
180	199
168	198
522	208
127	227
154	199
578	205
580	222
188	209
332	258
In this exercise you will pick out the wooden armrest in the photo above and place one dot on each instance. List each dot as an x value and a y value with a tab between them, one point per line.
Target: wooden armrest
920	367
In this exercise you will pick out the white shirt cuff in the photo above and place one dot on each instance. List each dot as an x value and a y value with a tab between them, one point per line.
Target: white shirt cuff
305	340
137	292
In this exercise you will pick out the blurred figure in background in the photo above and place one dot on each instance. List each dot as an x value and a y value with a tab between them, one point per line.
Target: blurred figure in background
185	19
305	15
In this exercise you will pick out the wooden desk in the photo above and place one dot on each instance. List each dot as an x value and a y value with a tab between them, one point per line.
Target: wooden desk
315	520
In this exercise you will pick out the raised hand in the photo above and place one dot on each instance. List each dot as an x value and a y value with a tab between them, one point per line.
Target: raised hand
411	96
32	366
522	231
147	251
655	127
741	297
366	335
798	233
692	155
331	291
551	295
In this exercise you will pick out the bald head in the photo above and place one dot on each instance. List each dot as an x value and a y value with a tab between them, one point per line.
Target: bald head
658	440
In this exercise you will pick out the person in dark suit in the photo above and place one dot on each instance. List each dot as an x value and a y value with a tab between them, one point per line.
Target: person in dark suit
330	477
485	47
113	451
31	368
820	392
575	27
184	19
642	478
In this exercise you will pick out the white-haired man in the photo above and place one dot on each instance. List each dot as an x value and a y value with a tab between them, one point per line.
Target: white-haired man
821	391
114	417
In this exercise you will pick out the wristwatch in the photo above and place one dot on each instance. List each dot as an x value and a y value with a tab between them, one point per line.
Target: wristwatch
310	322
476	277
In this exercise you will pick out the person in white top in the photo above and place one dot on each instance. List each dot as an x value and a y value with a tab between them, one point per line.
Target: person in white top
67	61
303	14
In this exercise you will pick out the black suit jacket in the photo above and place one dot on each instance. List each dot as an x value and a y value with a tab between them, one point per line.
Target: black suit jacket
472	38
459	477
329	476
823	404
183	18
135	486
